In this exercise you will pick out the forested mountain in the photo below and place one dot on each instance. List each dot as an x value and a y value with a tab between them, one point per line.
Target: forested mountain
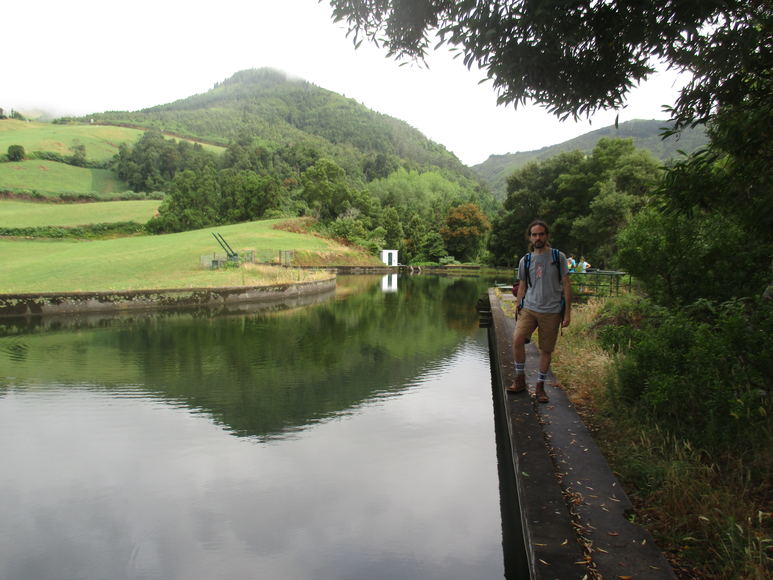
646	134
295	149
278	111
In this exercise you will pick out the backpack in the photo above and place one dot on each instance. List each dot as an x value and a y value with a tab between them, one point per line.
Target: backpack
557	261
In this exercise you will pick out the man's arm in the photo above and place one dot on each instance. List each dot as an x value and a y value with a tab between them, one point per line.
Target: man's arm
567	300
520	294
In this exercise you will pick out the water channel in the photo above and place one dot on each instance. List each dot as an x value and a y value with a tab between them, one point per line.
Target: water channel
352	438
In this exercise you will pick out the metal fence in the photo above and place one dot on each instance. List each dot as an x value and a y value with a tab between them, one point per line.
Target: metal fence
221	260
597	283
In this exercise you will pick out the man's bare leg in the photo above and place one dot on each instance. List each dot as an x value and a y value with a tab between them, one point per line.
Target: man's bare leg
519	357
544	367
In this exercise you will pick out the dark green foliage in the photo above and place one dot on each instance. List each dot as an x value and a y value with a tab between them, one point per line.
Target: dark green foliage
245	195
681	258
585	199
393	229
79	160
327	191
703	371
193	202
154	161
711	233
92	231
16	153
646	134
78	157
465	231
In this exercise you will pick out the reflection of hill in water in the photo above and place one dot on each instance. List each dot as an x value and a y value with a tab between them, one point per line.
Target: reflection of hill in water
263	374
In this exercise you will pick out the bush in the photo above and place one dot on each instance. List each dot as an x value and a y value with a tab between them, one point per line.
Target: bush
702	372
92	231
16	153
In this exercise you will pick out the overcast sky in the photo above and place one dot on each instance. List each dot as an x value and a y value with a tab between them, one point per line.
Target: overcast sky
86	56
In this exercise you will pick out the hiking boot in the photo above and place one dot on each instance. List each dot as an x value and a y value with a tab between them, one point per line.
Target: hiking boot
519	384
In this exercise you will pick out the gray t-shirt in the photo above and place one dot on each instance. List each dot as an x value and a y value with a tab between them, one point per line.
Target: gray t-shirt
544	291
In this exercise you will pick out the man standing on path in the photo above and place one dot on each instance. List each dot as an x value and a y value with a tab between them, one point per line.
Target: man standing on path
543	302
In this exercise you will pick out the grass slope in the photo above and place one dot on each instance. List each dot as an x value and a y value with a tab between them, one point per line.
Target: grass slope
49	177
168	261
52	178
101	142
23	214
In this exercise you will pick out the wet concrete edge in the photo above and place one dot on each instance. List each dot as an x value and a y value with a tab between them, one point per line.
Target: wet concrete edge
120	301
565	487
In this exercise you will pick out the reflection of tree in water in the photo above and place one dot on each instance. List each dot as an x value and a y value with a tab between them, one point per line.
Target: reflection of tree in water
265	374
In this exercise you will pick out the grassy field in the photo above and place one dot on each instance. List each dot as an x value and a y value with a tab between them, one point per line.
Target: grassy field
23	214
50	177
101	141
148	262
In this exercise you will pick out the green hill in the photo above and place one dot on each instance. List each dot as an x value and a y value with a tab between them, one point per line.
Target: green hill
268	106
645	134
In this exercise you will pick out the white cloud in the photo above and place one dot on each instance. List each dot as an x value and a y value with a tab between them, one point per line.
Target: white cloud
87	56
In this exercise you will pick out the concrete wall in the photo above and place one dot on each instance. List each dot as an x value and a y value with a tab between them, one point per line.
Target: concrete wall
80	302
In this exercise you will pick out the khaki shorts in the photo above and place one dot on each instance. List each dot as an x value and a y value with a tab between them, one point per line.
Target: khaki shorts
548	325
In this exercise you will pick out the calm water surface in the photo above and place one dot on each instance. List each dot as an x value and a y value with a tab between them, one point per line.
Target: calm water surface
348	439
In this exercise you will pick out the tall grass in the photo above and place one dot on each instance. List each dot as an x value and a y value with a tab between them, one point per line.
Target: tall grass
710	513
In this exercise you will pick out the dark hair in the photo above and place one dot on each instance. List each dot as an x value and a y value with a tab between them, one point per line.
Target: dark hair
528	232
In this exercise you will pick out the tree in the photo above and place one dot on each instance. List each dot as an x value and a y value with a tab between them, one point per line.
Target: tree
245	195
16	153
193	202
464	231
78	156
587	199
575	56
393	228
326	190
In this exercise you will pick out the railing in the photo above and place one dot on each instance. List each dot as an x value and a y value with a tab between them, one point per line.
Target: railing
599	283
596	283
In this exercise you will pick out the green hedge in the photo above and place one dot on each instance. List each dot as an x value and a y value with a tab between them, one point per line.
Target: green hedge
88	232
703	372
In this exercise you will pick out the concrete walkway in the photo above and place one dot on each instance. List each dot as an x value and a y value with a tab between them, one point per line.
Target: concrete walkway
574	513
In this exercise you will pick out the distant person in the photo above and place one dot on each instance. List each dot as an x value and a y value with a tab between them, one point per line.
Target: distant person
543	303
571	263
582	265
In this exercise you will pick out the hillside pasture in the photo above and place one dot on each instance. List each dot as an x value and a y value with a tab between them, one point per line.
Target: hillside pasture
101	141
25	214
148	262
51	178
